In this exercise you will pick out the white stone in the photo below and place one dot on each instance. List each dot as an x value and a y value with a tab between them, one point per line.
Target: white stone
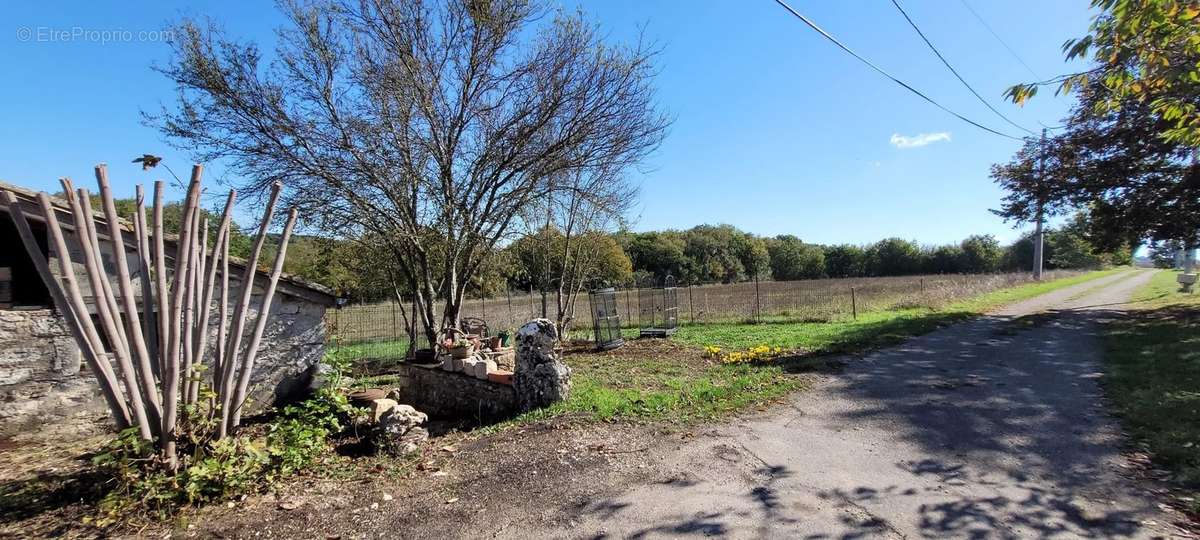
380	407
480	370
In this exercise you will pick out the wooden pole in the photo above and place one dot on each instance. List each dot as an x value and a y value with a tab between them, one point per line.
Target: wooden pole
78	307
223	327
853	304
143	371
395	323
691	306
261	323
192	329
757	301
149	320
178	285
191	304
232	351
512	318
75	312
86	223
106	307
220	256
160	281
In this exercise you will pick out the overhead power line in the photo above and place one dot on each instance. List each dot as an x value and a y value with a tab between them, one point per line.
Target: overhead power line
888	75
955	71
1001	40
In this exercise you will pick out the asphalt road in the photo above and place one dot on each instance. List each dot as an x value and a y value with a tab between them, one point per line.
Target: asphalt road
993	428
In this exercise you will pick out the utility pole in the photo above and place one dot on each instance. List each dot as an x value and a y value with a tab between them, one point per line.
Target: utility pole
1041	202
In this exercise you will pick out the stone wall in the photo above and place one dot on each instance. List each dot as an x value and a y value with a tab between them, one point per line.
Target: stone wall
44	385
445	394
293	340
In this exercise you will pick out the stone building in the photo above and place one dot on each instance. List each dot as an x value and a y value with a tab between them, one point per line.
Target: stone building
43	382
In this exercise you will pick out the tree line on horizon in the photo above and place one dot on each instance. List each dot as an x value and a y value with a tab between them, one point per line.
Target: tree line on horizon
709	254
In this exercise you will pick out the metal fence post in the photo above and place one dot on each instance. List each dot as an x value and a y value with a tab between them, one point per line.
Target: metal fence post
628	308
853	304
511	317
691	306
757	301
395	323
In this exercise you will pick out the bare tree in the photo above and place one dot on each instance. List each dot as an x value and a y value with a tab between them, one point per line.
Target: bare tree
566	252
429	125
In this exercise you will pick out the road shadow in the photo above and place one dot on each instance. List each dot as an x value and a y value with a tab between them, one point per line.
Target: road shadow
1018	397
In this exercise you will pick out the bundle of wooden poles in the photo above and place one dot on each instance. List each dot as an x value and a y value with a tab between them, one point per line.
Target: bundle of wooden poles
161	351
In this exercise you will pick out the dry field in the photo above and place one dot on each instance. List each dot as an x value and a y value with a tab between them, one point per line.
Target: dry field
814	300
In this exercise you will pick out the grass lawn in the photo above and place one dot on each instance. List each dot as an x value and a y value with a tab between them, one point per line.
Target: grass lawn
1153	378
673	380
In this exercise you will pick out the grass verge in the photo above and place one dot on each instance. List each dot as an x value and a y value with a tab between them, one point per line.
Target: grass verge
1152	378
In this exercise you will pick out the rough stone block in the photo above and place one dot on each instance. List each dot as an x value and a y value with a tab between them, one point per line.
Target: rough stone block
380	407
501	377
541	378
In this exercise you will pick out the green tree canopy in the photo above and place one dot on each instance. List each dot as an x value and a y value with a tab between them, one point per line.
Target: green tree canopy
792	259
981	253
845	260
1145	52
893	257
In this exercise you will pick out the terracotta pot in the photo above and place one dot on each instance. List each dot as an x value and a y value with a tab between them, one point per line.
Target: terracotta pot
367	395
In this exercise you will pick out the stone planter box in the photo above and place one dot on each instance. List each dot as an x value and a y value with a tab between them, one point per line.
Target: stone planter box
445	394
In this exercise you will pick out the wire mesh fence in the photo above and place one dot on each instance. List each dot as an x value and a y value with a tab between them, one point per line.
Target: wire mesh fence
378	332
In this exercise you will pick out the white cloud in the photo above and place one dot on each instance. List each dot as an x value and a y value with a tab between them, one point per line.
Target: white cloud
904	141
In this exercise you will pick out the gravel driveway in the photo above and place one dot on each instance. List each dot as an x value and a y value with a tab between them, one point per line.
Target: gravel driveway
993	428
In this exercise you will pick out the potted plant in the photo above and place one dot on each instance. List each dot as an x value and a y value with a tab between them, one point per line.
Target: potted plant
461	347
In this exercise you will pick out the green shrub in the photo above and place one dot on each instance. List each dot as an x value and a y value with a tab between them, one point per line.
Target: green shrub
301	433
248	462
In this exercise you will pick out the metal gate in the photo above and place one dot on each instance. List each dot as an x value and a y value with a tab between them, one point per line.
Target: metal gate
658	308
606	318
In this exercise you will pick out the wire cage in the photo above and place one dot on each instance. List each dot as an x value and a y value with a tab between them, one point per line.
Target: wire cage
606	318
658	309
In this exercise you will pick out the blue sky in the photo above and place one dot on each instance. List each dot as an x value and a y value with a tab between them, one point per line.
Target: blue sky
776	130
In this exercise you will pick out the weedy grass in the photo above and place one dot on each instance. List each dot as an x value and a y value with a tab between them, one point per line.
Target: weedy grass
1152	378
656	389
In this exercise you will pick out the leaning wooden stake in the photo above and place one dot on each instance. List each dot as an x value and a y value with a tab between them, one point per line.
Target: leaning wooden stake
133	325
160	281
157	356
106	307
175	322
207	289
260	325
75	312
223	328
149	320
229	363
